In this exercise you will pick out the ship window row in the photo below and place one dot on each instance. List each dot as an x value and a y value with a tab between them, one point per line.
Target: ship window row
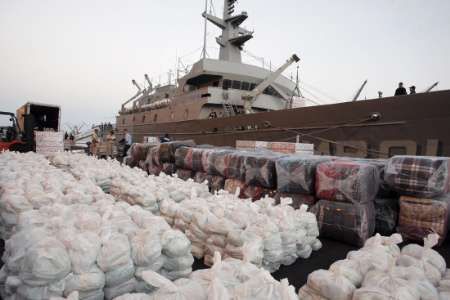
247	86
238	85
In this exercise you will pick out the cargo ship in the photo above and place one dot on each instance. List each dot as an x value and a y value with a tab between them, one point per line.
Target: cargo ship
220	101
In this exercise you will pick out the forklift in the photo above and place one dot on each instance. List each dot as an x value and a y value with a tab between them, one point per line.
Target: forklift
17	133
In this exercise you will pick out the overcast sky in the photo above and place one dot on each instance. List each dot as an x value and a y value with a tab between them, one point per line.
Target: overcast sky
82	54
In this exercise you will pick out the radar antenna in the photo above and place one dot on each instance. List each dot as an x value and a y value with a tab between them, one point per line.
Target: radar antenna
233	36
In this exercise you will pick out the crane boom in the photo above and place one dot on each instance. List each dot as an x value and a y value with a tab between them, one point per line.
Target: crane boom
250	97
360	90
431	87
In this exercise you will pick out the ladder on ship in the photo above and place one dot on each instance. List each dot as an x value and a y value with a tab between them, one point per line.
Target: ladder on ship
229	109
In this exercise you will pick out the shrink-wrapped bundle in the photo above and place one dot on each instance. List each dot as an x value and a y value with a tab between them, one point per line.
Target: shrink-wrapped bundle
346	222
419	217
386	215
420	176
347	181
296	174
260	169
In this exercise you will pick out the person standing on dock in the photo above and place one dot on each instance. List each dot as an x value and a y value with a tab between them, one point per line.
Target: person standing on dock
400	91
110	141
412	90
94	142
128	141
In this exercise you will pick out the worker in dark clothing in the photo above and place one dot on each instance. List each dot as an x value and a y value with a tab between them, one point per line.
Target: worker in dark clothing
165	138
400	91
412	89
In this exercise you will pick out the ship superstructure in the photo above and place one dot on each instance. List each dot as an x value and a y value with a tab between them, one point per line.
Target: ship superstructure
214	88
220	101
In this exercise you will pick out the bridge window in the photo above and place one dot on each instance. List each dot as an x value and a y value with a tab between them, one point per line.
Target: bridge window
252	86
245	85
226	84
236	85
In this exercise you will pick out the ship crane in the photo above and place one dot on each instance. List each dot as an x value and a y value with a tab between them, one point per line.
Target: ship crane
359	91
250	97
431	87
139	92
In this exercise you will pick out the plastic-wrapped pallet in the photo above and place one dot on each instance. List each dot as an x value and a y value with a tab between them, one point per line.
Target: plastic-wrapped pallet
217	163
346	222
192	158
296	174
138	152
260	169
419	217
166	151
185	174
386	215
169	168
420	176
347	181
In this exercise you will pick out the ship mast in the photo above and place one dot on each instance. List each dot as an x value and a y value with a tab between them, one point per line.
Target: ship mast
204	33
233	36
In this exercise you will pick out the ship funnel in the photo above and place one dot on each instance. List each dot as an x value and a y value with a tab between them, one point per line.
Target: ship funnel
136	85
150	85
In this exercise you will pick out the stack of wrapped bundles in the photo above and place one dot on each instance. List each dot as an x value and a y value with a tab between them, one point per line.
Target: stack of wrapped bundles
386	202
191	162
423	183
267	235
260	169
347	190
137	155
380	270
296	178
163	156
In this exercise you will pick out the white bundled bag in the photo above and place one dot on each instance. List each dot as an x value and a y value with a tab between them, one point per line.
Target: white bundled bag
181	289
264	287
425	257
126	287
86	282
174	243
83	249
115	252
330	286
120	274
349	269
145	247
45	262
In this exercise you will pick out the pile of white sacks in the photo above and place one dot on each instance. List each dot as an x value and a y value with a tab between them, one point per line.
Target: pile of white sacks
268	235
28	181
275	235
64	234
99	250
131	185
225	280
380	270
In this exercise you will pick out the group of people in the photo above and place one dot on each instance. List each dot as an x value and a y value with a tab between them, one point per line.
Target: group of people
110	139
110	143
401	91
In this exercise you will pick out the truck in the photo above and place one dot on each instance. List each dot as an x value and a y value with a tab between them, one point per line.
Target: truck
17	130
